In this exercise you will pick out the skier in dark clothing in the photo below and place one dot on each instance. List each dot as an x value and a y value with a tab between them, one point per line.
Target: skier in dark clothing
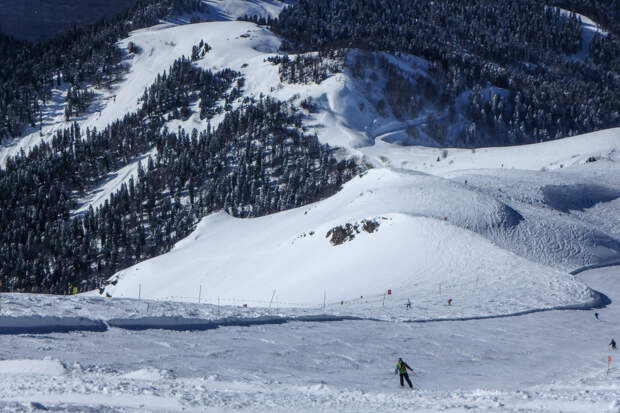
612	344
401	369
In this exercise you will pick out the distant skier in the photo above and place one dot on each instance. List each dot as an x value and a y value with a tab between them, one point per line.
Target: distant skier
596	315
401	370
612	344
408	305
450	301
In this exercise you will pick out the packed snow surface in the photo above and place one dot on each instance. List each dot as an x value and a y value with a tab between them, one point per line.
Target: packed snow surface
552	361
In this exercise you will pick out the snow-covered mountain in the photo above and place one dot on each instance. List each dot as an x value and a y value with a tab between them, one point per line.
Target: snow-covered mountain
546	203
414	232
281	227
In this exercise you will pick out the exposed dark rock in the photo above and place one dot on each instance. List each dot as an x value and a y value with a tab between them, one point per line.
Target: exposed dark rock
343	233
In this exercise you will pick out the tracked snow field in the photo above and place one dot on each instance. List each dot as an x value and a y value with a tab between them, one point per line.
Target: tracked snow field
542	362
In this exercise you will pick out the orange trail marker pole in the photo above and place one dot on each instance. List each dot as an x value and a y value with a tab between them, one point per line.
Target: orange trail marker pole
608	363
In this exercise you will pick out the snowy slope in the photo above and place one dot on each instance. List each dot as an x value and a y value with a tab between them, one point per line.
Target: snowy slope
97	197
516	200
570	205
346	115
233	9
413	251
161	45
459	228
494	229
241	46
553	155
552	361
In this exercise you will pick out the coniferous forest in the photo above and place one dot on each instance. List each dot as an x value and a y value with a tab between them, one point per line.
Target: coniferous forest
257	161
518	65
83	56
40	20
521	60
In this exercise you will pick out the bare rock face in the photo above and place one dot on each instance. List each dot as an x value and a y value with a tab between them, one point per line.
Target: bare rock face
343	233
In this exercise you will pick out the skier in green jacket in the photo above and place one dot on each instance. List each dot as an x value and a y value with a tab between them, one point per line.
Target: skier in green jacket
401	369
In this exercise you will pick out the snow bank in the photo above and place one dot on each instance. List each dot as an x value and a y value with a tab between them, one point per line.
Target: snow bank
137	315
199	324
188	324
177	321
42	324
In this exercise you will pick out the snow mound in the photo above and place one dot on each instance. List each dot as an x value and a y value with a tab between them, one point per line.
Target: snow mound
406	232
46	367
564	193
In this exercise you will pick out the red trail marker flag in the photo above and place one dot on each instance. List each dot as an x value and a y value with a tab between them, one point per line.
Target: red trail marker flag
608	363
